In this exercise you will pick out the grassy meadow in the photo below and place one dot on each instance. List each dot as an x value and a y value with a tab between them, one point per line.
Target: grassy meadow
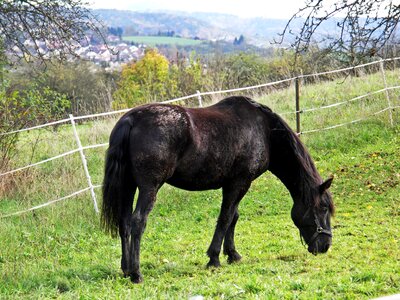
61	252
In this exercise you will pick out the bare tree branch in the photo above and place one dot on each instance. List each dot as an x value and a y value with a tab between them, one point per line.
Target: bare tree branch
46	28
363	27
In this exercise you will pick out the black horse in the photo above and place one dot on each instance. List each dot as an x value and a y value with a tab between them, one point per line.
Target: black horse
226	145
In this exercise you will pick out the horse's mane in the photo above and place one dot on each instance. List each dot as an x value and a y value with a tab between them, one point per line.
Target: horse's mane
307	170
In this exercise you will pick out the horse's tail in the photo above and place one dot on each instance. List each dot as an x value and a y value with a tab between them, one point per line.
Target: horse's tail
117	170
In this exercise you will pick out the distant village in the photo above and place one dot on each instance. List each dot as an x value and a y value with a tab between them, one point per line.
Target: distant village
111	56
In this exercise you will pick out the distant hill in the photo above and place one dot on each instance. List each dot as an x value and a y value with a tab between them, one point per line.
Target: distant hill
206	26
151	23
256	30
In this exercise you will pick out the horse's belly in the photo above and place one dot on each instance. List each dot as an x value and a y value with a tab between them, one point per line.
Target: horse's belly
198	182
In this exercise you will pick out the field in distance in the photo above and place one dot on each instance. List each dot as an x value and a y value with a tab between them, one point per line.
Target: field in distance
161	40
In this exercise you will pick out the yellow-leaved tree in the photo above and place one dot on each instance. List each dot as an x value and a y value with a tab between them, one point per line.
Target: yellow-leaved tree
143	81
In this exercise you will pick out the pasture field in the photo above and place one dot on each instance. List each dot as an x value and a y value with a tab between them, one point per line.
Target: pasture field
161	40
61	252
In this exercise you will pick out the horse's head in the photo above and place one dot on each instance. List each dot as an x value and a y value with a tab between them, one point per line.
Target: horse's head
314	219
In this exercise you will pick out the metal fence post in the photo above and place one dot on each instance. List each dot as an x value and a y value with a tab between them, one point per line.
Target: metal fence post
199	98
386	91
297	89
84	163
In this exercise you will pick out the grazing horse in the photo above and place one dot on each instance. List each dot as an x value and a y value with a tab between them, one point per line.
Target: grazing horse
226	145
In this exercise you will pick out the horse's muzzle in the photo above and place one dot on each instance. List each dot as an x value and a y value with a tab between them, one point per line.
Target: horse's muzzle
320	245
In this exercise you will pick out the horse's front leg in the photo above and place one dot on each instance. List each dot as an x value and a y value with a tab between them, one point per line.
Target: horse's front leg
229	243
145	203
231	196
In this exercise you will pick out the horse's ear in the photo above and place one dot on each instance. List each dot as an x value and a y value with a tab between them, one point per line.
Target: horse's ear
325	185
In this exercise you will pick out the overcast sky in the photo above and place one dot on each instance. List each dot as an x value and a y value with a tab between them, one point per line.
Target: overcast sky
244	8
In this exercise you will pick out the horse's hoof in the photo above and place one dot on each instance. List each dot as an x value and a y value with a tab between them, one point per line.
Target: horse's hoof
126	274
235	257
136	278
213	264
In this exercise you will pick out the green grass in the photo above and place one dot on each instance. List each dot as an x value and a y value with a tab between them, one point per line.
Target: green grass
61	252
161	40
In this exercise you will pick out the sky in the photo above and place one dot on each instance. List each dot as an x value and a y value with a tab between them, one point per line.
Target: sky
276	9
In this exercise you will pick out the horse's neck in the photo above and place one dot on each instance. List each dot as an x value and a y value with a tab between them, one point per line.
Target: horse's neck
290	167
285	168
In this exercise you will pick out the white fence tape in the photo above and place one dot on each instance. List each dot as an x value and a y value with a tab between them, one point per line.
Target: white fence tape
50	202
351	122
247	88
350	68
45	204
40	162
350	100
36	127
53	158
198	95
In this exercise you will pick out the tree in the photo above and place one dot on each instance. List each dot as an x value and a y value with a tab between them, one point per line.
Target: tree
44	28
186	77
72	79
363	28
239	41
243	69
143	81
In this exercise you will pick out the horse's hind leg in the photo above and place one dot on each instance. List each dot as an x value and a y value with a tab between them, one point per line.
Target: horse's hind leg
125	228
145	203
229	243
231	196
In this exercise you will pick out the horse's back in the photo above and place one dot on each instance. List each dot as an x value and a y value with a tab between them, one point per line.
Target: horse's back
198	149
227	141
